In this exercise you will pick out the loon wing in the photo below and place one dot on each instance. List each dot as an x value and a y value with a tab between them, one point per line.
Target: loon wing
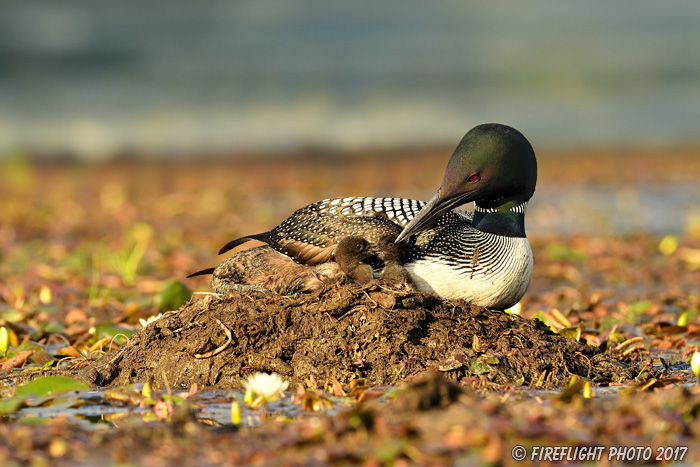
311	234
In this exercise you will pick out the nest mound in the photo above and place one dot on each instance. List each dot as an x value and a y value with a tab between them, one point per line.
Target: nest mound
377	332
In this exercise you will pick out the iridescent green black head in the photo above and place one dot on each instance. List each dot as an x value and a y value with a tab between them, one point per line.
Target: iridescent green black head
493	165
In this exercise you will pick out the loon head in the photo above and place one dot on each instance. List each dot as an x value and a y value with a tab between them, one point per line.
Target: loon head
493	165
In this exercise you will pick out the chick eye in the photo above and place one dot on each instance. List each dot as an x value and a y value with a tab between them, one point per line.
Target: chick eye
474	178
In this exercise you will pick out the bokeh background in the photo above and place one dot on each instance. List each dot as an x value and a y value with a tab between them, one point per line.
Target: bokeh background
94	80
138	137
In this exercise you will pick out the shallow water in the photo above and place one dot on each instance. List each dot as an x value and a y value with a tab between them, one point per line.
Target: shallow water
598	210
90	409
213	407
95	77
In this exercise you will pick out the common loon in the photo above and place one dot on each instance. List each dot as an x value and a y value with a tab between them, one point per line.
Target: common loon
483	257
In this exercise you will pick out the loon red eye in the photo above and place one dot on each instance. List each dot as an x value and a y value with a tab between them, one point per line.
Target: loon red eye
474	178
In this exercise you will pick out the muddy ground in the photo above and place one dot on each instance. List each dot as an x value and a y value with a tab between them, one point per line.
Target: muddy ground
384	335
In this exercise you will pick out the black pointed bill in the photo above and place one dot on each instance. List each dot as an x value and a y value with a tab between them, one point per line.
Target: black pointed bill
432	211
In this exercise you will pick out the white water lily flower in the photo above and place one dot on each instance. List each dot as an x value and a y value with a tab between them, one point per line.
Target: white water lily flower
266	386
515	309
149	320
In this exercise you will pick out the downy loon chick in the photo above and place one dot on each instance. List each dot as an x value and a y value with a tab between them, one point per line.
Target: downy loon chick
394	254
350	255
483	257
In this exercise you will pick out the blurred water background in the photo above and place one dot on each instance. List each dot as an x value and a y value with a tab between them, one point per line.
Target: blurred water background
174	78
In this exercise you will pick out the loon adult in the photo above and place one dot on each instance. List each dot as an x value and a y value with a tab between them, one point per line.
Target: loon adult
483	257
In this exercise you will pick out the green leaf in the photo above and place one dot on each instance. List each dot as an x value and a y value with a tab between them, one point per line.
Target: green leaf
173	296
109	329
540	316
54	328
490	359
479	367
39	355
482	364
49	385
572	332
11	405
13	316
617	337
149	417
559	252
637	309
174	399
574	389
33	421
686	317
518	382
40	388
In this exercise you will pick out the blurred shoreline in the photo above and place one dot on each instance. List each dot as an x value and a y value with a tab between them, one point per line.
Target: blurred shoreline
658	164
590	192
91	79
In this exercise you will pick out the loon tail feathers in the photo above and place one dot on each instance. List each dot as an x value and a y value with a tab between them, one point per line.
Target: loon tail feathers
202	272
263	237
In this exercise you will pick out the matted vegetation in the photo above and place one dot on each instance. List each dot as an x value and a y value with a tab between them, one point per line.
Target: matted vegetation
88	251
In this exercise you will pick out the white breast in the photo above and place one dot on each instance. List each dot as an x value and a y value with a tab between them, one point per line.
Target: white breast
499	287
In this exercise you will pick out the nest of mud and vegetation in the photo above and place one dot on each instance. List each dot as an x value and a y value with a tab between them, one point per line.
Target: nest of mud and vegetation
376	332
